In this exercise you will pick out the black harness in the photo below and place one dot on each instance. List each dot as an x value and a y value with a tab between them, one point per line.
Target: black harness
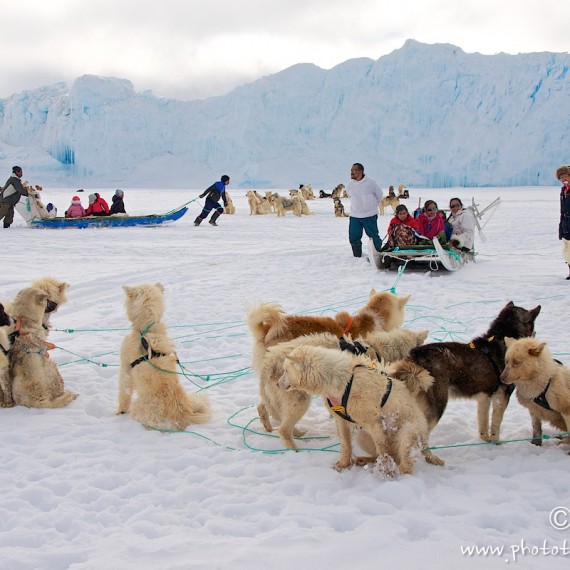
341	409
146	357
541	398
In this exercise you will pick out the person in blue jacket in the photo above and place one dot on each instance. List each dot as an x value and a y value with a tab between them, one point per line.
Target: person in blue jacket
213	194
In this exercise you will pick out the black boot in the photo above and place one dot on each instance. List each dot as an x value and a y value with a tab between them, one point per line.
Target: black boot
214	217
357	249
198	221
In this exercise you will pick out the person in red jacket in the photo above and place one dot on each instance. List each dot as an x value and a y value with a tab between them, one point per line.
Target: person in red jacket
402	229
431	223
97	206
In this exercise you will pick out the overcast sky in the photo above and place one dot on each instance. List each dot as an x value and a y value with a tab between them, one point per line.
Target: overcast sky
190	49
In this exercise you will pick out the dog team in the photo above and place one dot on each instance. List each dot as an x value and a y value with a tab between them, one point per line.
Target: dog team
380	382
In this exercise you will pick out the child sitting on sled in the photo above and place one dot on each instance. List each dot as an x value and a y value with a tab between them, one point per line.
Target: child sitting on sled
75	210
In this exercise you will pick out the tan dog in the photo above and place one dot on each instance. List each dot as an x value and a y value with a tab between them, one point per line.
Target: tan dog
6	327
392	201
263	205
148	367
287	408
299	205
56	292
252	202
543	385
36	381
339	209
276	204
360	392
258	205
230	208
270	325
307	192
269	196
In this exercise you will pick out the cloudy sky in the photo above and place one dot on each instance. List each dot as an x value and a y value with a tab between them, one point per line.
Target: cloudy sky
190	49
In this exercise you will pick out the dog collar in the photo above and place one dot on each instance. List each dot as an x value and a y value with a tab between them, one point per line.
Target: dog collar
348	325
541	398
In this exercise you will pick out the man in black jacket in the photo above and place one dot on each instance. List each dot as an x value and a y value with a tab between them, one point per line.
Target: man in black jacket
10	195
213	194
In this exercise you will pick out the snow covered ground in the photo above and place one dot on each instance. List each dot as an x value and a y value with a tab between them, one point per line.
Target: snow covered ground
83	488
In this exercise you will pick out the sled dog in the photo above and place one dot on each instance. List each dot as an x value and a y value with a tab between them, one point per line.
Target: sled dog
359	391
542	384
148	367
36	381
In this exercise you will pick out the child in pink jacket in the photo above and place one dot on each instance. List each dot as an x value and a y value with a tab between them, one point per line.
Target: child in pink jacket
76	210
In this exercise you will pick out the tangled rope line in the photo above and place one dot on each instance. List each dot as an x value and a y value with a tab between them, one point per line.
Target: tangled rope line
447	329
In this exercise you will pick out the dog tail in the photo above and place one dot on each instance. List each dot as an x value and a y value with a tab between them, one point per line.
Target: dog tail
266	322
416	377
201	411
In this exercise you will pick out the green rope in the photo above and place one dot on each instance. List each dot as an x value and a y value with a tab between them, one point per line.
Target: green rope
180	207
564	434
245	430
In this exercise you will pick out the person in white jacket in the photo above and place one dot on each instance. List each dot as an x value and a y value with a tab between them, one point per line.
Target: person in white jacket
463	223
365	195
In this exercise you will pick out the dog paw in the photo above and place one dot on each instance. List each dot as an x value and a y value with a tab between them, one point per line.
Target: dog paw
433	459
340	465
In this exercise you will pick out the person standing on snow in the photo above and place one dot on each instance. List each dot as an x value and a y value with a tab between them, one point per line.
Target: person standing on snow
365	195
563	174
10	195
213	194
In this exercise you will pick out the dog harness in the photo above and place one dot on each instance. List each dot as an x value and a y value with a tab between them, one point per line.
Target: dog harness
354	347
18	333
147	349
340	410
541	398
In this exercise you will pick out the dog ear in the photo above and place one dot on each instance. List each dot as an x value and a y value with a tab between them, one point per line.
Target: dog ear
160	287
404	300
537	350
534	312
509	304
372	293
509	341
422	335
40	297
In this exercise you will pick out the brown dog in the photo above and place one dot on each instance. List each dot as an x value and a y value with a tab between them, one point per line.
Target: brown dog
270	325
473	370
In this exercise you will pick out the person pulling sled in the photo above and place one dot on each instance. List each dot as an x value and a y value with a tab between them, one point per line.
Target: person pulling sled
213	194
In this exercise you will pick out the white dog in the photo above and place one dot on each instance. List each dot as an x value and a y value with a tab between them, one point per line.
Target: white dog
287	408
360	392
148	367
